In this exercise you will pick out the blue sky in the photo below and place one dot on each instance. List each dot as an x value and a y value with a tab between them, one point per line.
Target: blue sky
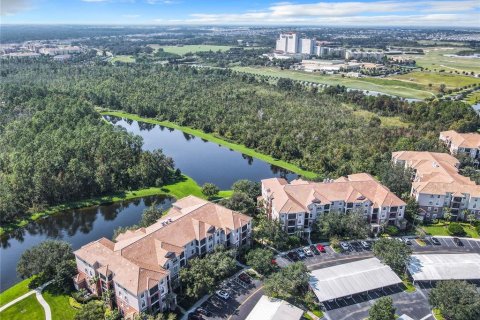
446	13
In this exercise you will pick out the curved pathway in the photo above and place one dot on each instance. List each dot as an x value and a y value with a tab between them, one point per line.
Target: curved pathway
41	300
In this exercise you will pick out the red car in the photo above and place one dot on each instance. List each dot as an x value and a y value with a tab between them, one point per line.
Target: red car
320	248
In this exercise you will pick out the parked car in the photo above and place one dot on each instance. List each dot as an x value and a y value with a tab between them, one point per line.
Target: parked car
308	252
194	316
203	311
301	254
365	245
314	250
321	248
292	255
245	278
345	246
222	294
435	241
458	242
407	241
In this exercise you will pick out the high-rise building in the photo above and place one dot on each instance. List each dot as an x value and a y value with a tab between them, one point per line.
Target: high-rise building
288	43
306	46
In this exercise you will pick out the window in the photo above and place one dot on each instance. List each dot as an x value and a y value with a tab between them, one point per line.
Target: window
153	290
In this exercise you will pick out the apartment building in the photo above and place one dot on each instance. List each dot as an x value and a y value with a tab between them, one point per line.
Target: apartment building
288	43
467	144
437	185
142	266
297	205
357	55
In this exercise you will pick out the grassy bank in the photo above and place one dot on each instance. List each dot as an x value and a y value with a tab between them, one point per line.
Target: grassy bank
15	291
27	309
182	188
212	138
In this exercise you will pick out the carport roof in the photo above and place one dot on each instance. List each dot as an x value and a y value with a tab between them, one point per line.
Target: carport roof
432	267
274	309
351	278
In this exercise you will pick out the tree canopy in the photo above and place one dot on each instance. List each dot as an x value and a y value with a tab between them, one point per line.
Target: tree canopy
393	253
456	300
382	309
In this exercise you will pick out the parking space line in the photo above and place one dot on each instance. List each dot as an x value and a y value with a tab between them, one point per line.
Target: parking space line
477	243
469	243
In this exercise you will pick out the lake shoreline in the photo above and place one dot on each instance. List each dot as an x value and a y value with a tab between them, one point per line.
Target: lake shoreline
212	138
179	189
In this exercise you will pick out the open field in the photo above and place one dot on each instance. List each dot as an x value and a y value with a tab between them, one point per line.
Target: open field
388	122
436	79
61	309
14	292
440	229
189	48
473	98
26	309
210	137
434	58
187	186
126	59
393	87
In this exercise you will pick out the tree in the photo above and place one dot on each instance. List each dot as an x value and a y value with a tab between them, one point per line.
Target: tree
382	309
455	229
471	217
260	260
64	273
151	215
289	282
456	300
447	214
250	188
44	259
352	225
93	310
396	177
240	202
210	190
393	253
412	210
202	274
271	232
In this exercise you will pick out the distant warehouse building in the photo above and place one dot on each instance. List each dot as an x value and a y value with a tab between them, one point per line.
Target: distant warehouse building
437	267
352	278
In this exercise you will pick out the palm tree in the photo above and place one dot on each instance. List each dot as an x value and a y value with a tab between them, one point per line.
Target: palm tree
471	217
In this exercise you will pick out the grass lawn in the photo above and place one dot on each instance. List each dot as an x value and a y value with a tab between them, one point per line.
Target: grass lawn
127	59
437	314
220	141
181	50
388	122
61	309
14	292
385	85
473	98
441	229
187	186
27	309
409	285
451	81
434	58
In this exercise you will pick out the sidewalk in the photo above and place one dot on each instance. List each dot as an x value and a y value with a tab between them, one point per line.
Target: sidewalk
41	300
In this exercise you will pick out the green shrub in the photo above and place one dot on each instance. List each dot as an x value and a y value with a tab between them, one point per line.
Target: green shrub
456	229
391	230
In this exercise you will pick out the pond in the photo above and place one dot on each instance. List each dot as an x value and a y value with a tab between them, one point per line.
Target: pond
201	160
77	227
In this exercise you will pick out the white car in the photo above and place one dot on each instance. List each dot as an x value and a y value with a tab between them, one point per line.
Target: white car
365	245
344	246
222	294
308	252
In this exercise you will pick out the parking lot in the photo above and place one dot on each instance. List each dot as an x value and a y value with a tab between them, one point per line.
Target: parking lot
239	292
355	249
414	304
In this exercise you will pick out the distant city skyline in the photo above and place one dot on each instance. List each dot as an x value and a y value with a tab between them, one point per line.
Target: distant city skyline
444	13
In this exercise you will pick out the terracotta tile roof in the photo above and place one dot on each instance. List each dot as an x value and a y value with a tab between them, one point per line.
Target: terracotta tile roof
140	255
296	196
464	140
437	173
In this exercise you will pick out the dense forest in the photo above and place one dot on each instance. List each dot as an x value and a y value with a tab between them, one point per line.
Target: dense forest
55	149
62	150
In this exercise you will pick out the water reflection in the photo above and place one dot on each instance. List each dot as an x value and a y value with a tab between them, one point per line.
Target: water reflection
77	227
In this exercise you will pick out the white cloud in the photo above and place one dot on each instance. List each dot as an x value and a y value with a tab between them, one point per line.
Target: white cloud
11	7
377	13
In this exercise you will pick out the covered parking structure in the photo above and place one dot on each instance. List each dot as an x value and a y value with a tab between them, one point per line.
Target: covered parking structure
352	278
429	268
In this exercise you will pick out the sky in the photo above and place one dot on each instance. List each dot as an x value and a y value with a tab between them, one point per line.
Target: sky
428	13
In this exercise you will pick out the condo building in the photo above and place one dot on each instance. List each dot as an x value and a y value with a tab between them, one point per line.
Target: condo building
288	43
437	185
298	204
467	144
142	266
